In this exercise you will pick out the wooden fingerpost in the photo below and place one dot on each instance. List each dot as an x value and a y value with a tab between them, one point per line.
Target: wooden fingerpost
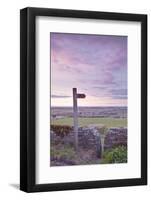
75	115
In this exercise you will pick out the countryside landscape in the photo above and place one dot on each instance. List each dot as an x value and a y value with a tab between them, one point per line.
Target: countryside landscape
88	99
114	119
109	116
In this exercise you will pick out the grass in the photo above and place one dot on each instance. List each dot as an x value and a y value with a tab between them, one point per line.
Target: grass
108	122
63	152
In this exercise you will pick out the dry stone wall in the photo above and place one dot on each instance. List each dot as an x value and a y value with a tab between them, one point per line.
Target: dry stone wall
89	138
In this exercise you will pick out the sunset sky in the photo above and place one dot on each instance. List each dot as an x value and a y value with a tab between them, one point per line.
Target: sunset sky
95	64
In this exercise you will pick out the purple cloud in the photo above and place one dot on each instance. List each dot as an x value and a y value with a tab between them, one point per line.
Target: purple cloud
94	63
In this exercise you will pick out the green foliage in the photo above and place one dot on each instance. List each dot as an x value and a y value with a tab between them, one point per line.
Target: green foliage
61	130
115	155
103	130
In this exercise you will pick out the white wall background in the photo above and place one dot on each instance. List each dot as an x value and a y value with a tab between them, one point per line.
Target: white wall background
9	99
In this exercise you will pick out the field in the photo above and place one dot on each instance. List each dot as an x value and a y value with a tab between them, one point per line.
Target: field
62	148
84	121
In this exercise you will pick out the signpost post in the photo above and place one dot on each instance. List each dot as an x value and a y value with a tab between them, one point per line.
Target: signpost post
75	114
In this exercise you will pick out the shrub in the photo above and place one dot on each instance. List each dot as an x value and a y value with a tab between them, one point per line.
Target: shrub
103	130
115	155
61	130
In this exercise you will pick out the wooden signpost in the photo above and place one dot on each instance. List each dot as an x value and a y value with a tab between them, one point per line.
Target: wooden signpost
75	114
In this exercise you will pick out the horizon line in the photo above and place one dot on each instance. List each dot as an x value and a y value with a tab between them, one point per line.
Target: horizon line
87	106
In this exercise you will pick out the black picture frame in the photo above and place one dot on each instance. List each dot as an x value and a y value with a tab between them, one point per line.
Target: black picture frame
28	99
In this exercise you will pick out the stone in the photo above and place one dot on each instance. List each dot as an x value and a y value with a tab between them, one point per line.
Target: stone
88	138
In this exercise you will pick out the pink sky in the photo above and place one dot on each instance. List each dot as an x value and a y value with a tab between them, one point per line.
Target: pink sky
95	64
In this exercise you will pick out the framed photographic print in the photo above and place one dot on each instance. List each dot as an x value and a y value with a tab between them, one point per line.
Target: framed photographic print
83	99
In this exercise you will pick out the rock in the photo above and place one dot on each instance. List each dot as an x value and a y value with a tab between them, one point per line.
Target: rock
89	136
